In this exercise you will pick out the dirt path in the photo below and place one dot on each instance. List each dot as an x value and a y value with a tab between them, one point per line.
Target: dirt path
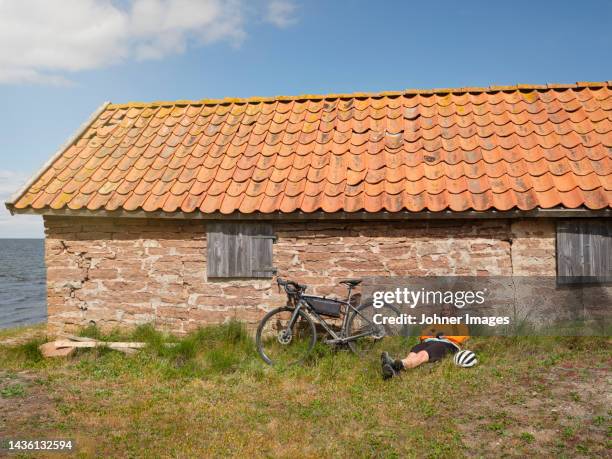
25	403
566	410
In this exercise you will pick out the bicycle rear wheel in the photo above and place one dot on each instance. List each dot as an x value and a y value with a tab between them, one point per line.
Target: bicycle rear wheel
363	323
278	344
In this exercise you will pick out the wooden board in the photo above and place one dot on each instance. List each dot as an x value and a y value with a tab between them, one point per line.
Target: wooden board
91	344
584	251
240	250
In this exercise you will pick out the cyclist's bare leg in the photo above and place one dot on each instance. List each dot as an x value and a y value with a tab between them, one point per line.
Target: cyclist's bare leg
415	359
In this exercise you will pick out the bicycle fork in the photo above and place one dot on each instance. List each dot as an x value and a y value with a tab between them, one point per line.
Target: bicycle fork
294	316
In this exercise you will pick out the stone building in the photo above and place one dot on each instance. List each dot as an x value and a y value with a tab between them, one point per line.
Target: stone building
180	213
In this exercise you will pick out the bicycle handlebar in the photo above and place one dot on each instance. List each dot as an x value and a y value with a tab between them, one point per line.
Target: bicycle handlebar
290	286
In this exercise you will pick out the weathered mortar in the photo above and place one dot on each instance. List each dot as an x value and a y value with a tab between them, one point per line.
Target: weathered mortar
124	272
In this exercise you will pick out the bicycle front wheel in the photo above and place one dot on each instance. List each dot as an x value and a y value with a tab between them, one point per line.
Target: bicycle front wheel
279	344
371	325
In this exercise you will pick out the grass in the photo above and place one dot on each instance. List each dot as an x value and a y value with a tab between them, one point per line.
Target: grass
208	351
210	395
14	390
17	332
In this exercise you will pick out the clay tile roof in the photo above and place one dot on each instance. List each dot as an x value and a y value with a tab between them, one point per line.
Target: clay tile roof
499	147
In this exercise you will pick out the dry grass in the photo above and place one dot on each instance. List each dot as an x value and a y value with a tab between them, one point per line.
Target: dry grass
211	396
21	334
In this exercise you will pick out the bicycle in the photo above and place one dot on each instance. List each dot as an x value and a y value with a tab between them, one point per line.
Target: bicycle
288	334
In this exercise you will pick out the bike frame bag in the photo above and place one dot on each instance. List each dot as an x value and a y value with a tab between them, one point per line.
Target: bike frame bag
324	306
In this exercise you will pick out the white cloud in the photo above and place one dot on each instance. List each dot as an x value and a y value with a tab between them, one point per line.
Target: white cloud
10	182
17	226
281	13
40	40
159	28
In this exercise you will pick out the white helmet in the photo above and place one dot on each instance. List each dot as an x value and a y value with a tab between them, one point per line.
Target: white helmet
465	359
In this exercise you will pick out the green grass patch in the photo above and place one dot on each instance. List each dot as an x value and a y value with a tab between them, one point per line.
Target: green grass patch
209	394
26	353
206	352
13	390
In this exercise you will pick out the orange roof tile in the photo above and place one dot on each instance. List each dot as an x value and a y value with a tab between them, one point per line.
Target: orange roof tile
511	147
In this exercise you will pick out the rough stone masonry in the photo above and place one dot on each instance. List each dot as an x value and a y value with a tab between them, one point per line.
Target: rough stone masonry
129	271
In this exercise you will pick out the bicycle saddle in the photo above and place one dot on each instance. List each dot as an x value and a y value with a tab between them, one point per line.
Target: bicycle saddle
351	282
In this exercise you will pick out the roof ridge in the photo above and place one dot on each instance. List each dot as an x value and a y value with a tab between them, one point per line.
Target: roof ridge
460	90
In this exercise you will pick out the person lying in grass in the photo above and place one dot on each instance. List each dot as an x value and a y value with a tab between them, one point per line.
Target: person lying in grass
435	342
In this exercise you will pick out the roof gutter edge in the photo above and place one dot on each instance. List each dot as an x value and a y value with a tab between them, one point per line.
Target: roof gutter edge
82	128
319	215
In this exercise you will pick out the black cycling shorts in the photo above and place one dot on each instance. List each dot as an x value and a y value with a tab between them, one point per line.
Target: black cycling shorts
435	349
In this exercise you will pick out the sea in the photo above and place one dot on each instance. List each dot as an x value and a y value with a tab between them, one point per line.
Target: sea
22	282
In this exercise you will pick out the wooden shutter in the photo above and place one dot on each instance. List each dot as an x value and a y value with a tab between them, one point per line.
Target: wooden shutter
584	251
240	250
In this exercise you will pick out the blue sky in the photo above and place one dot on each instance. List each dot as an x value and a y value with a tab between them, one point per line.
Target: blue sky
58	65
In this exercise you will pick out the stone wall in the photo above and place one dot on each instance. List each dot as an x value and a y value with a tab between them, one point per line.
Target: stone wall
123	272
534	248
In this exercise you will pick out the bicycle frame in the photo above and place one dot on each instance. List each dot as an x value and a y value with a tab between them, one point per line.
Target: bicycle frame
337	338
